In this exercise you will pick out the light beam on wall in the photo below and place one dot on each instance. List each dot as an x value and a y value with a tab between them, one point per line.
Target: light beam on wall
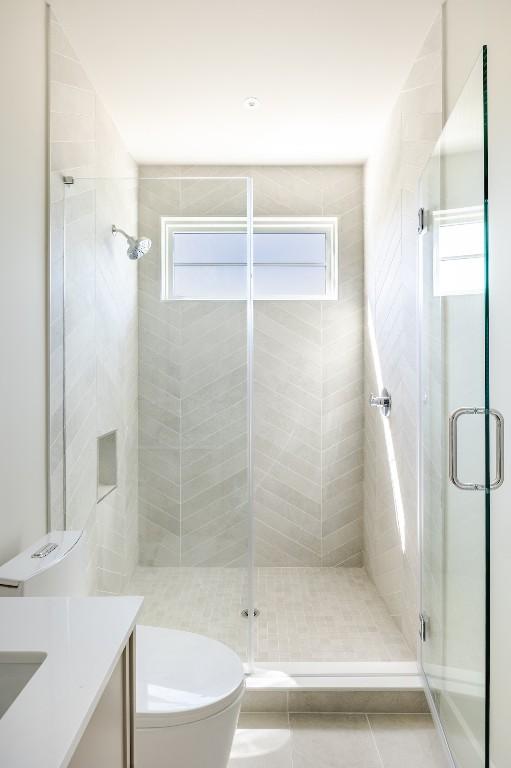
389	442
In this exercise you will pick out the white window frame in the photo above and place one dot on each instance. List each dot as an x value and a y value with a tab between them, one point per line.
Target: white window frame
327	225
453	216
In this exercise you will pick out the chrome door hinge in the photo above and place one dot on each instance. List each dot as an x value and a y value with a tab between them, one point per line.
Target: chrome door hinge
421	224
423	627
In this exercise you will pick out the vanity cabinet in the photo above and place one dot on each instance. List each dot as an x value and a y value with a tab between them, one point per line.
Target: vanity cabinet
107	741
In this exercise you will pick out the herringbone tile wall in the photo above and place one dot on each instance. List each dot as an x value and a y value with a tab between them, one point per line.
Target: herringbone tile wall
391	205
308	385
192	398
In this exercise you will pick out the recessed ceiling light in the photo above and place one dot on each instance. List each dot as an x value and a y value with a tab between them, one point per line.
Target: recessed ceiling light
252	103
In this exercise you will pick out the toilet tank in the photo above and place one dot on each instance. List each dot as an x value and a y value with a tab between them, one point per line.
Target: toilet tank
53	566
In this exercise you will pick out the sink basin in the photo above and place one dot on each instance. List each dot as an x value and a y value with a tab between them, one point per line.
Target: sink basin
16	669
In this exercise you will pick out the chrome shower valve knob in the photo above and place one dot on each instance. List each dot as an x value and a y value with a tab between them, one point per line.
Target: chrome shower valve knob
383	401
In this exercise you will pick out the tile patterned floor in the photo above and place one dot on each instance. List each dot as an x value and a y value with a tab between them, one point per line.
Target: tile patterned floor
306	614
278	740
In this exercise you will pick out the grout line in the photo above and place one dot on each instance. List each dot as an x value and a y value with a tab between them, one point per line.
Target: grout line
380	758
75	87
287	312
55	142
211	404
296	543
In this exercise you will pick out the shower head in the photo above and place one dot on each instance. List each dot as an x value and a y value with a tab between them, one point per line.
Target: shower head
136	248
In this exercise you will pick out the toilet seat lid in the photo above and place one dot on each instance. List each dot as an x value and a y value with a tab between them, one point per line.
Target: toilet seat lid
183	677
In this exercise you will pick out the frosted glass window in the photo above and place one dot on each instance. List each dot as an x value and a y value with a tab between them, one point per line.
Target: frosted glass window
293	258
292	247
458	251
210	282
209	247
283	281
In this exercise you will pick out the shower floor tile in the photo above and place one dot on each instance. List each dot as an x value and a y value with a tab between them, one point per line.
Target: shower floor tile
305	614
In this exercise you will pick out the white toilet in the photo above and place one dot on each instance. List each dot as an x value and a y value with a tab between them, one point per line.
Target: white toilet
189	687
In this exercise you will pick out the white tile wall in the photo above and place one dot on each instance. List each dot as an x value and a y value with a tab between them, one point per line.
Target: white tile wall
100	320
392	178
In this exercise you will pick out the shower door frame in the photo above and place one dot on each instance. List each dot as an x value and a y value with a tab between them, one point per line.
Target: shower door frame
488	486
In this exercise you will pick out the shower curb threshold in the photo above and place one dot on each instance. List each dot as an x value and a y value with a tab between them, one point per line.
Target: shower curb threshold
341	676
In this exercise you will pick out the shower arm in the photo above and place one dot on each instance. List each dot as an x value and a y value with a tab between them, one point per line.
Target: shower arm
118	229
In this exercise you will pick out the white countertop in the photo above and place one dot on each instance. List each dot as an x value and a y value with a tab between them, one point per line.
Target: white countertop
83	639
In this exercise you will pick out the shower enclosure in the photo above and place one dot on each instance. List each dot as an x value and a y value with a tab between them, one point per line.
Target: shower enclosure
461	436
213	406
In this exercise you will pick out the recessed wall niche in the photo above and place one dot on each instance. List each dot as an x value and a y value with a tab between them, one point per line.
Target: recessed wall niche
107	464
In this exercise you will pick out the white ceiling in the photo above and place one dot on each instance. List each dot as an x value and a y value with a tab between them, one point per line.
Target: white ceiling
173	74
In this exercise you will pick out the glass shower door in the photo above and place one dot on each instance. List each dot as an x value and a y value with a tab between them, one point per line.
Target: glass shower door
458	468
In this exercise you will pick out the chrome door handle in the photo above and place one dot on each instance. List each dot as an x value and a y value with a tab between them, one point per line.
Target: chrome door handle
499	449
453	448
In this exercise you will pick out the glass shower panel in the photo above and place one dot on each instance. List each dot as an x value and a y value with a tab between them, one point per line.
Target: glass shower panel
455	427
316	605
56	454
165	379
79	349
